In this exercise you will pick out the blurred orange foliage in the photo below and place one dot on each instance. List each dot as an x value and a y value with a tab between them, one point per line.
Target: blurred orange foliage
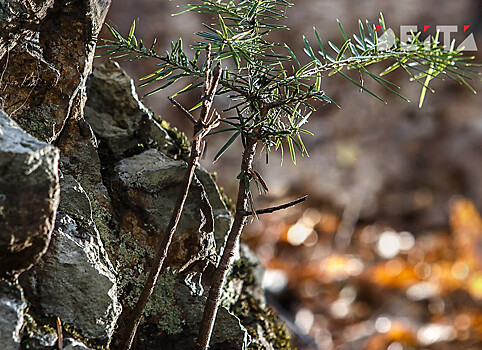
427	286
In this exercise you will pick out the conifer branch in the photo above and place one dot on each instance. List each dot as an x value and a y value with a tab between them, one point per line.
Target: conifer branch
271	210
184	110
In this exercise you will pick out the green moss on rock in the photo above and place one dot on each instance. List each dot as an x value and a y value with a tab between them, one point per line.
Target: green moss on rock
181	143
162	303
265	328
131	259
39	332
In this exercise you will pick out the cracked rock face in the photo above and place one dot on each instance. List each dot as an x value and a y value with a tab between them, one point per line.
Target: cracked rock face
75	279
17	17
12	308
29	197
116	114
118	186
47	50
149	183
73	282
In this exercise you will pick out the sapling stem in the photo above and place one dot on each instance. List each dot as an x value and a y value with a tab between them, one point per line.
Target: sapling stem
201	128
219	277
250	141
241	213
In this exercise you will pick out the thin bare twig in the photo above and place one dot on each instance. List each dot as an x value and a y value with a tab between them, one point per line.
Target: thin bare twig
4	68
184	110
60	336
276	208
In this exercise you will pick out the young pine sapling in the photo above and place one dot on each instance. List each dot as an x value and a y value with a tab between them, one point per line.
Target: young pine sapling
273	93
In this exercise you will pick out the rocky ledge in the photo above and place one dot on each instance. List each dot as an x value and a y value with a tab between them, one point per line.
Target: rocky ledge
88	179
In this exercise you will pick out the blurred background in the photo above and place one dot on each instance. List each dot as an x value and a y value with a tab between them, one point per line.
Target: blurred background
387	251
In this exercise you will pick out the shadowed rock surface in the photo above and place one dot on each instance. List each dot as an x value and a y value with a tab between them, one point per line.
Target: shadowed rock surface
12	308
149	182
75	279
29	197
123	123
47	64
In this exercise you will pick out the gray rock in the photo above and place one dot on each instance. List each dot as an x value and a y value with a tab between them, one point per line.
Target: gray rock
148	185
40	341
29	196
80	159
75	282
75	202
12	308
15	18
116	114
228	333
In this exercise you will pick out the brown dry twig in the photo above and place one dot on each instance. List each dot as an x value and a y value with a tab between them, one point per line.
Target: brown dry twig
60	336
276	208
